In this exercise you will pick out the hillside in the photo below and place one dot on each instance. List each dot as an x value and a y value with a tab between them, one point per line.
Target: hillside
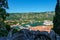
31	17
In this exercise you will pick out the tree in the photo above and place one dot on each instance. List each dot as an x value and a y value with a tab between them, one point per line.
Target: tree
3	6
4	28
56	19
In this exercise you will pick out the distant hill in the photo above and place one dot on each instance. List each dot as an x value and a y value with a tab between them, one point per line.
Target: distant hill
31	16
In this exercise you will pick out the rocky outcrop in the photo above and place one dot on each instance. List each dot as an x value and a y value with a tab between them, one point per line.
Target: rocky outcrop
25	34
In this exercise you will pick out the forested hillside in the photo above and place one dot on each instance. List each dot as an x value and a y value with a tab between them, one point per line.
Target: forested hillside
31	17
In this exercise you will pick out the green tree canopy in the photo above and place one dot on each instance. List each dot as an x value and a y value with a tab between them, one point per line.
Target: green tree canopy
3	4
4	28
3	7
56	20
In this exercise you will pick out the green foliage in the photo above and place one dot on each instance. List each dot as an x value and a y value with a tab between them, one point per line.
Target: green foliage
14	31
3	33
56	20
3	4
31	17
2	14
8	28
4	28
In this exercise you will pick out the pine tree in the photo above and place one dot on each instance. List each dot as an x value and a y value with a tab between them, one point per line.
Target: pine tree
3	27
56	19
3	7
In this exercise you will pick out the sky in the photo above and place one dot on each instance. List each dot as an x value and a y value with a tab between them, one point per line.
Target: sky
18	6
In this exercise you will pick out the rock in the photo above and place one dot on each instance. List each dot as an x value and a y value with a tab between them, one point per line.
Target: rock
2	38
25	34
